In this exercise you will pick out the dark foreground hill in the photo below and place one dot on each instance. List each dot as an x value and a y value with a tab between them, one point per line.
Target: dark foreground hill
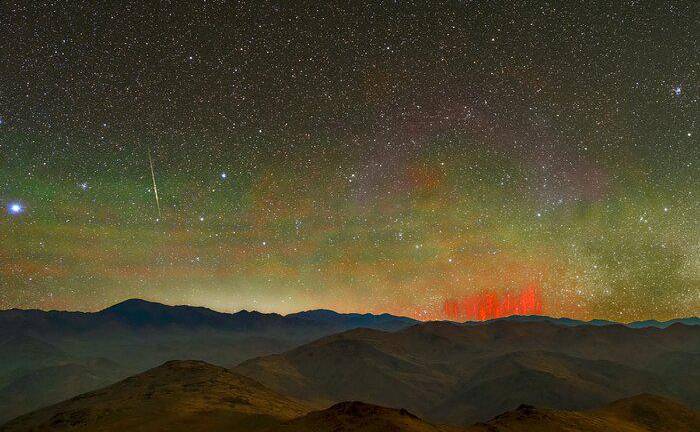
642	413
177	396
46	357
360	417
194	396
459	374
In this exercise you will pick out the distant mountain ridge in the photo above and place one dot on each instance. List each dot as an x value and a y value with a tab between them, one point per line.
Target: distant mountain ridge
138	312
143	312
664	324
384	321
597	322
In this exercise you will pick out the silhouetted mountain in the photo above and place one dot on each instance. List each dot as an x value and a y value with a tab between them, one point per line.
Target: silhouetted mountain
664	324
354	320
139	312
595	322
142	313
177	396
543	318
461	373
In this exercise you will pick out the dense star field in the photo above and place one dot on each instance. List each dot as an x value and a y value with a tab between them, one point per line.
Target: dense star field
454	159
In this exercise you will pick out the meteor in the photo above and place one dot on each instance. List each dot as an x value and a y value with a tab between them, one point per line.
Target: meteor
155	186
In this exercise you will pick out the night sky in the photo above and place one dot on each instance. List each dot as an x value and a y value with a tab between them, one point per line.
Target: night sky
455	159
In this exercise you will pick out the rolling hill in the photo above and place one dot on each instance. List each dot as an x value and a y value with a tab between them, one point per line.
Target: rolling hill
359	417
446	372
50	384
177	396
195	396
46	357
641	413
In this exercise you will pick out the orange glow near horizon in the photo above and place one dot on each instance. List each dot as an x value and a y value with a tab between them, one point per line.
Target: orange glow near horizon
489	304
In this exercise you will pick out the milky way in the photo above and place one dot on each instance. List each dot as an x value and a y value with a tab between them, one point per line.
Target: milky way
432	159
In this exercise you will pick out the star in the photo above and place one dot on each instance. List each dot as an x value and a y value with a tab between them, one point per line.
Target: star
443	164
15	208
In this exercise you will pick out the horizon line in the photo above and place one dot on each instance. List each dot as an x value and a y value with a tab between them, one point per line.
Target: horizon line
678	318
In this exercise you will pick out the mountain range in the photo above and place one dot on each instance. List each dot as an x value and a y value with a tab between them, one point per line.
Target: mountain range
49	356
444	372
459	374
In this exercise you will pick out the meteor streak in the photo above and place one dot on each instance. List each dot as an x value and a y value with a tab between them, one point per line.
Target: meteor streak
155	186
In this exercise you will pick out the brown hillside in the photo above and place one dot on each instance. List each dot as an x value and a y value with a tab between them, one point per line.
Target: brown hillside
459	374
643	413
359	417
177	396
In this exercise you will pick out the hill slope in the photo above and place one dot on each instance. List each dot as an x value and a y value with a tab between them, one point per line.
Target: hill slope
194	396
459	374
359	417
642	413
177	396
48	385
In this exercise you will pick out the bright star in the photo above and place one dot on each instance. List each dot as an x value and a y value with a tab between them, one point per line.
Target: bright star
15	208
677	90
223	175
